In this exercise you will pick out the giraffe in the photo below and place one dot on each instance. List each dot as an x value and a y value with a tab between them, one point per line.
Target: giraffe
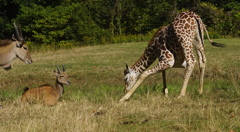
173	46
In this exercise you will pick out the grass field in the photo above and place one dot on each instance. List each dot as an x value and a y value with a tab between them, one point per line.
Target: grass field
90	103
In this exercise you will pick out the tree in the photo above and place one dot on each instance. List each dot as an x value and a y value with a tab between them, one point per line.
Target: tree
53	24
93	21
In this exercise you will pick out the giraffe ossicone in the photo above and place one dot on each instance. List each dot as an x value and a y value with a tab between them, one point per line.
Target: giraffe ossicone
173	46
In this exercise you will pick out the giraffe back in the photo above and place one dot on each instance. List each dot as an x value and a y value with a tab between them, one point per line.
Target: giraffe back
180	34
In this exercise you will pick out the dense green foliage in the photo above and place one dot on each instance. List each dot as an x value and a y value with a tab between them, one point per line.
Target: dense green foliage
98	21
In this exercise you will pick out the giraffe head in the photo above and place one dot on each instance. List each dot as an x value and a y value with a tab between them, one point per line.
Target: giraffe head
130	78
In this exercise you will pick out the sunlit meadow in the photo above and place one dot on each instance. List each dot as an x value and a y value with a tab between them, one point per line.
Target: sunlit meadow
90	102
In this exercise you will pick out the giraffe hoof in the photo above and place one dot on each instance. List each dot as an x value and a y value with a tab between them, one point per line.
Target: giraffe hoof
122	100
180	96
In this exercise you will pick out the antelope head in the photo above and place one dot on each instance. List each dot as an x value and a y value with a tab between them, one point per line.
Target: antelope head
21	49
61	76
130	78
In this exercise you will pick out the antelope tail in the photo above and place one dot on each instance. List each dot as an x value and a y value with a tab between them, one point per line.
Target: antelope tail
25	89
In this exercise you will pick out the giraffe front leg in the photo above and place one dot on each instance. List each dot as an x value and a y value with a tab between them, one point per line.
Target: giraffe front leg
165	89
135	86
164	64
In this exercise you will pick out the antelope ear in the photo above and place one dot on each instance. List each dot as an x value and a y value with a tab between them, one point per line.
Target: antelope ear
58	69
19	44
56	73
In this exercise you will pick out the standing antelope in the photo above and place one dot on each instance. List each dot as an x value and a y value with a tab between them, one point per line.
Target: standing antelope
47	94
10	49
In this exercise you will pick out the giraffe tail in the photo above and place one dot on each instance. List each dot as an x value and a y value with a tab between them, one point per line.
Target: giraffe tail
213	43
218	44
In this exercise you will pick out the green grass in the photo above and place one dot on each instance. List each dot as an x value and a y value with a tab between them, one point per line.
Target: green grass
96	76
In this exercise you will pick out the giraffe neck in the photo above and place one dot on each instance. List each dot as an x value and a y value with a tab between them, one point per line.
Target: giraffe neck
149	56
152	52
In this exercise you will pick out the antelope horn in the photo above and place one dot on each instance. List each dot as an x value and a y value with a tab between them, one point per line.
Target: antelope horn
13	38
16	29
58	69
20	32
63	68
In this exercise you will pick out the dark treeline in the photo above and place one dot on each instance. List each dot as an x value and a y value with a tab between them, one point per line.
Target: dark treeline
98	21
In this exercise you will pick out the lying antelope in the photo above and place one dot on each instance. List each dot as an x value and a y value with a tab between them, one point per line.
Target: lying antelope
10	49
47	94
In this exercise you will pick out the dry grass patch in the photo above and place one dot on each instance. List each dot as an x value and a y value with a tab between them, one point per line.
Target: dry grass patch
150	113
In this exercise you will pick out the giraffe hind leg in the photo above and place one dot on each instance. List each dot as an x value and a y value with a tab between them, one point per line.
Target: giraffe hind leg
202	63
190	60
189	70
198	43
